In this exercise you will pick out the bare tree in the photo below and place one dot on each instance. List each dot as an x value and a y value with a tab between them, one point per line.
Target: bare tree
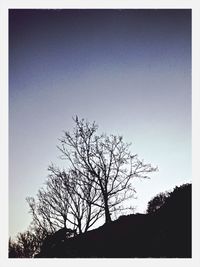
65	203
104	163
41	215
26	245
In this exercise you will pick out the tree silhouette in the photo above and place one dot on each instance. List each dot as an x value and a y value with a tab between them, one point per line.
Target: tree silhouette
64	203
26	245
103	162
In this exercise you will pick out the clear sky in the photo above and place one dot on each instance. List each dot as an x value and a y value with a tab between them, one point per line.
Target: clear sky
129	70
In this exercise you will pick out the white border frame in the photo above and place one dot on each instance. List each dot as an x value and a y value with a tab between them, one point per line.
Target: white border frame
88	4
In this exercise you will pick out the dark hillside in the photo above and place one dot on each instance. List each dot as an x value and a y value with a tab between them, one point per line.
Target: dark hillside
164	233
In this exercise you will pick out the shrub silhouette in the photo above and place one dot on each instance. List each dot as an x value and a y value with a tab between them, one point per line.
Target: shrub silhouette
26	245
55	240
157	202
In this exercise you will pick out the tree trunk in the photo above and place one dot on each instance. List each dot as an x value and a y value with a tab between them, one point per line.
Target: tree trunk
79	227
107	212
65	223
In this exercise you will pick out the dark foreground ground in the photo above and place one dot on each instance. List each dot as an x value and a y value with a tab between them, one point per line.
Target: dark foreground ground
165	233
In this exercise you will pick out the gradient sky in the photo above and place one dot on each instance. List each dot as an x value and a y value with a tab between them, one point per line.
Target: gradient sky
129	70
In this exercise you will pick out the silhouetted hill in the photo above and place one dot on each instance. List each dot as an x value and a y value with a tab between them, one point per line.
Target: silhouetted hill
164	233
